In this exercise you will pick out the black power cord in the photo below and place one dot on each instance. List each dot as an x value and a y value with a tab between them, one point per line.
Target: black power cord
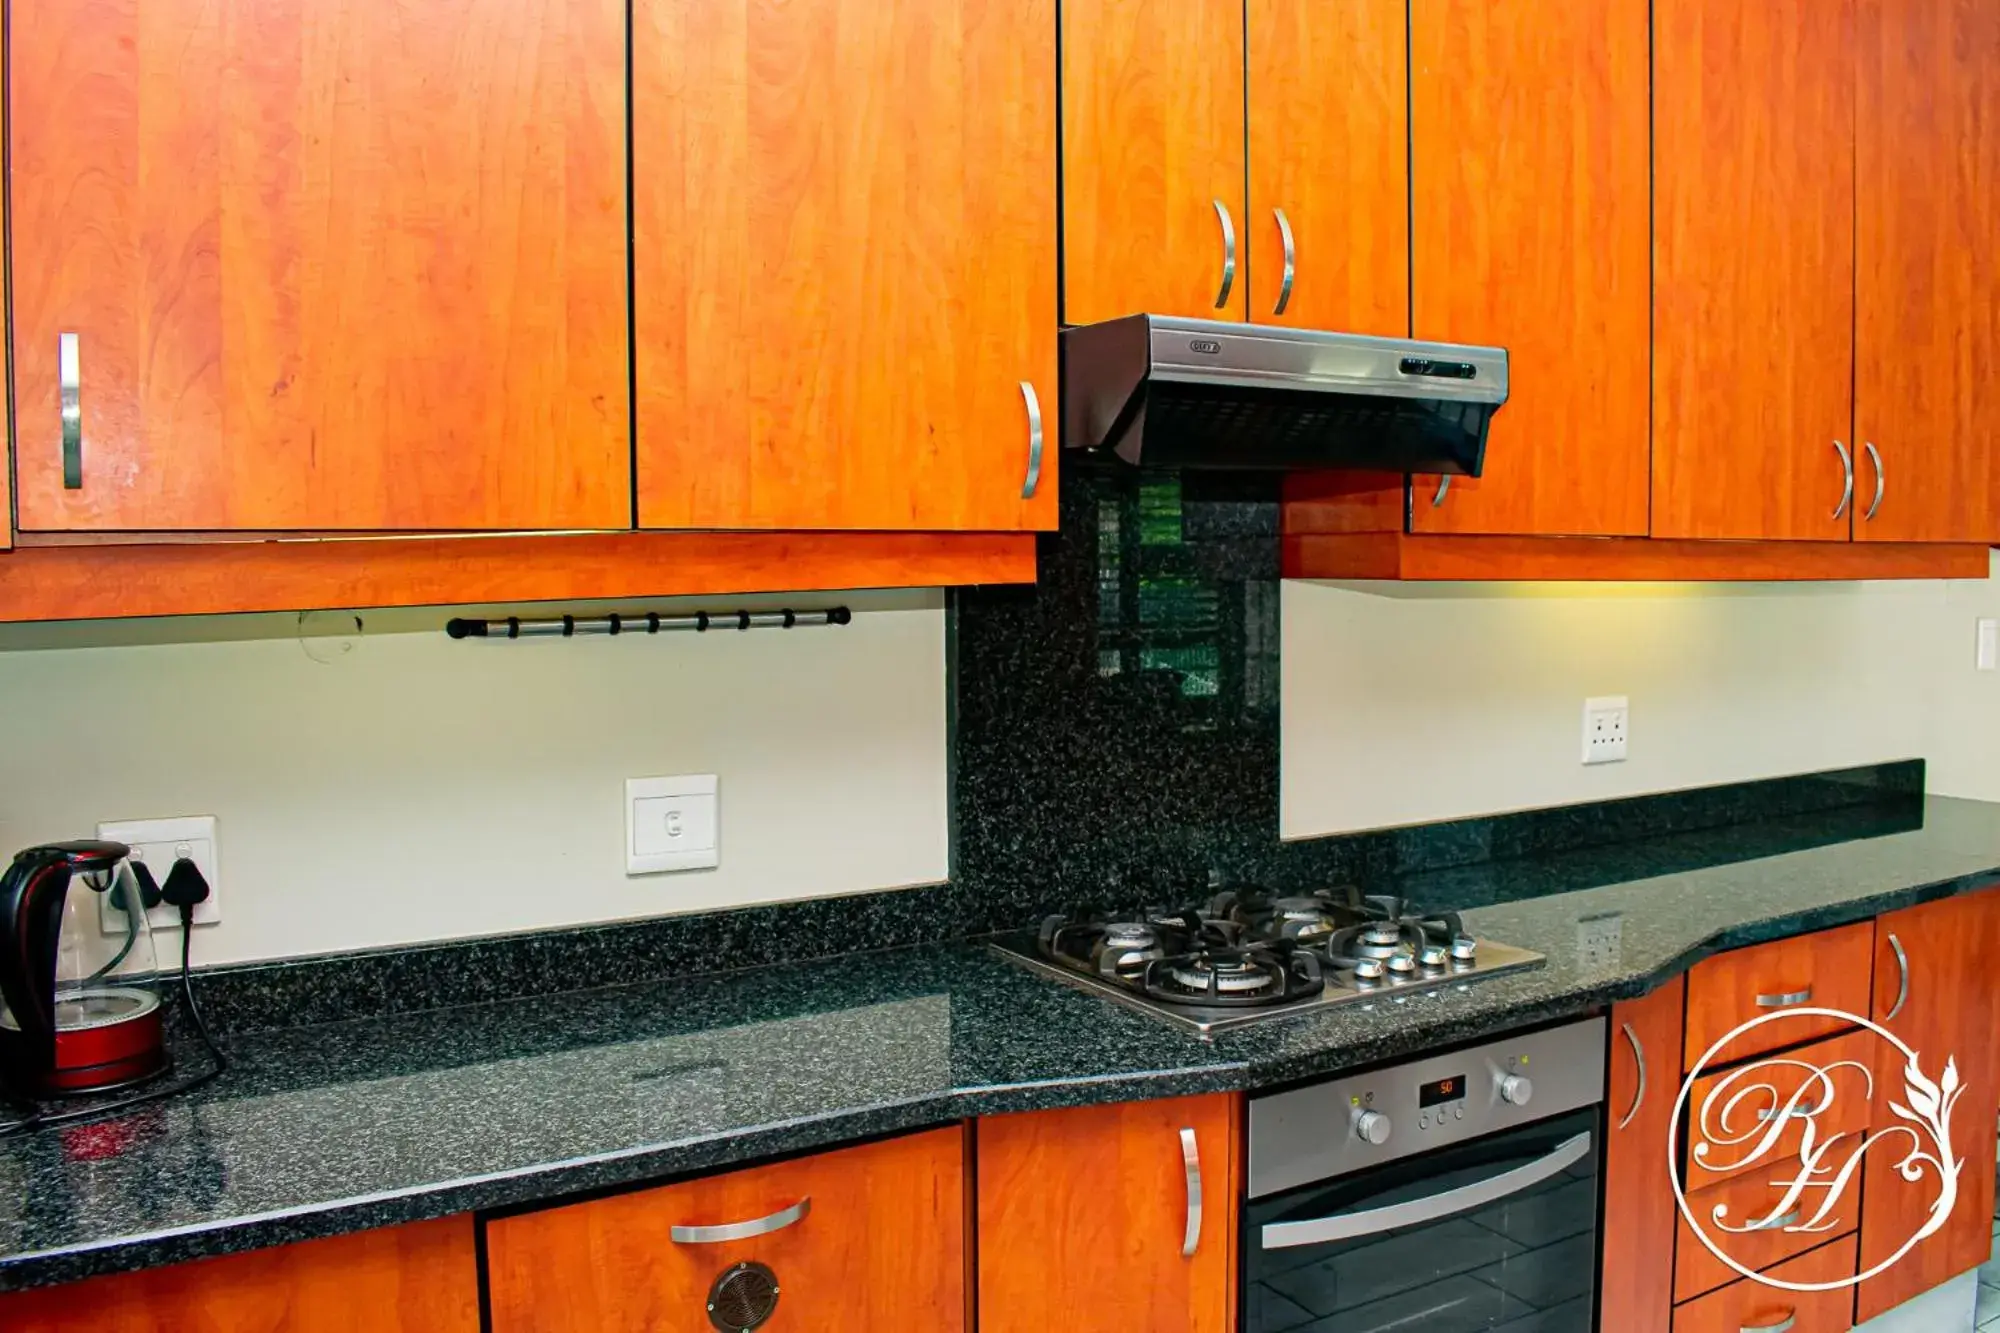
185	887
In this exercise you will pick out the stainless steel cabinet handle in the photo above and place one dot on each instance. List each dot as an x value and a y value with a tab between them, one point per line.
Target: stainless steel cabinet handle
1782	1326
1639	1063
1786	1000
1370	1221
1444	484
1228	254
1778	1223
1034	477
1191	1163
1770	1113
1881	480
69	374
1847	487
1902	977
728	1231
1291	262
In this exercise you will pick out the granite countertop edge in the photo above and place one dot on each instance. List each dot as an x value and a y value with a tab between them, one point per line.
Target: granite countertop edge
1231	1069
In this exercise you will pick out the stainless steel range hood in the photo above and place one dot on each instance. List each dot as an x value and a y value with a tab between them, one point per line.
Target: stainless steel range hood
1196	393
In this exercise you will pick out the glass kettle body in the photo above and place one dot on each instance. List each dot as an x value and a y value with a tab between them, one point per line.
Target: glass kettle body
80	1003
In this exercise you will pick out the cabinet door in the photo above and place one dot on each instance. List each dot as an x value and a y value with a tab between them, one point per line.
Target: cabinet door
1530	149
1086	1214
845	263
1639	1211
1153	145
1329	153
1934	990
422	1278
880	1243
1927	284
325	266
1753	302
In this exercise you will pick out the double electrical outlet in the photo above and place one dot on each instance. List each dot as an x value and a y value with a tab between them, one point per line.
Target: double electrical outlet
1605	721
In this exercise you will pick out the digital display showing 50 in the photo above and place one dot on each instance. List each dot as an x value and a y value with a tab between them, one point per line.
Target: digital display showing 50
1442	1091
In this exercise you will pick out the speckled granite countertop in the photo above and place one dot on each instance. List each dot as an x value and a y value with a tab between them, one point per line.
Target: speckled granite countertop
334	1128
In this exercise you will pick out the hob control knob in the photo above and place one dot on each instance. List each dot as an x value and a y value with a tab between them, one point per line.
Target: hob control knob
1372	1127
1516	1090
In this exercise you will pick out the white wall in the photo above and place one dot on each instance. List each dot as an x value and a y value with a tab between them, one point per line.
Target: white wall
1409	705
418	789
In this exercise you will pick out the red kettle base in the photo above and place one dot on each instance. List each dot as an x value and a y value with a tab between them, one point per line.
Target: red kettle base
115	1055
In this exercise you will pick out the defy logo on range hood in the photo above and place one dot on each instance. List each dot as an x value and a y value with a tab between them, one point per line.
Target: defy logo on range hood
1196	393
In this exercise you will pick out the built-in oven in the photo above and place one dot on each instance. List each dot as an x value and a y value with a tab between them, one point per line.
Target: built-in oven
1452	1194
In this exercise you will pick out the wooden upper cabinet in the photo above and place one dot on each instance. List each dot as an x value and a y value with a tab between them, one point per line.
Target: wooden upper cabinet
1934	990
1531	179
1153	143
871	1237
327	266
1928	276
421	1278
1084	1218
1329	152
1644	1070
845	263
1753	315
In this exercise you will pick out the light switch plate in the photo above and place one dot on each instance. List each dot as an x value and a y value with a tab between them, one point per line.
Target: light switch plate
1987	655
158	842
672	824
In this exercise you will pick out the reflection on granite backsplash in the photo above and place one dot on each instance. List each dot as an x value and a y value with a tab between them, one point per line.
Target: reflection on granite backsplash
1116	727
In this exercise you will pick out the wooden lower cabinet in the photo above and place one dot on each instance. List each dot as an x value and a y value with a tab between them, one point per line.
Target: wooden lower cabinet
1639	1214
422	1278
1934	989
1084	1218
1753	1307
1756	1196
880	1243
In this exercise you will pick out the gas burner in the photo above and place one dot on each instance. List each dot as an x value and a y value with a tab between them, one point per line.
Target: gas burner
1126	947
1234	978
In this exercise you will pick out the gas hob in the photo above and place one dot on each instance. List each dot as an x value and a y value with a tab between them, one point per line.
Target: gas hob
1245	956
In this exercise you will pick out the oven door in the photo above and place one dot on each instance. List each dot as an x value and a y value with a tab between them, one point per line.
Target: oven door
1496	1233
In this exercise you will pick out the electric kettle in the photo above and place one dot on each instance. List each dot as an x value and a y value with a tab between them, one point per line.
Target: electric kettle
79	999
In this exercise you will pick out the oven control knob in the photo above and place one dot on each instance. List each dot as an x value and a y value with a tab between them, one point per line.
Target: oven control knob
1516	1090
1372	1127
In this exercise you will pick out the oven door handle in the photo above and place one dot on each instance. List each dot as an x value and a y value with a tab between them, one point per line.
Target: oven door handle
1411	1212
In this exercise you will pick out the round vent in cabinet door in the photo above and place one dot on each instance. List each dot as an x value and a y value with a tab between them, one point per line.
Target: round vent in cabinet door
743	1298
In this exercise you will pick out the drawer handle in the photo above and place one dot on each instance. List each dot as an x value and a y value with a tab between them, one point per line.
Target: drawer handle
1639	1063
1778	1223
1902	977
1770	1113
728	1231
1785	1001
69	374
1782	1326
1191	1163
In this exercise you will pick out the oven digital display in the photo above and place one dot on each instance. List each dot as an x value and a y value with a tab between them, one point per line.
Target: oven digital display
1442	1091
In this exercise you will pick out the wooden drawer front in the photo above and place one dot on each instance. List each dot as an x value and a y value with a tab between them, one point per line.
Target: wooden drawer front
1746	1306
882	1245
1735	1104
1750	1197
1829	970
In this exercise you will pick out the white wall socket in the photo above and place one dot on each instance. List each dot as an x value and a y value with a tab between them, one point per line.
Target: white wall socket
671	824
158	842
1604	724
